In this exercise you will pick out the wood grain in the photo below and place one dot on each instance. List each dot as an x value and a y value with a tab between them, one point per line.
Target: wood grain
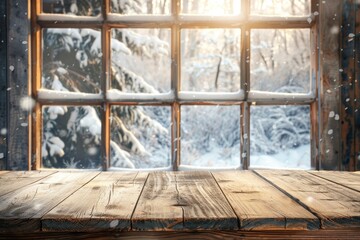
260	206
348	234
11	181
104	204
21	210
3	84
182	201
345	179
17	85
335	205
329	90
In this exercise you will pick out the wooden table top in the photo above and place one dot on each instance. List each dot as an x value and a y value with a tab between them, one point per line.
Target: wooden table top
259	200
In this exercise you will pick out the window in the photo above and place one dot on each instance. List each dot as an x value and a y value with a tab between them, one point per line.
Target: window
175	84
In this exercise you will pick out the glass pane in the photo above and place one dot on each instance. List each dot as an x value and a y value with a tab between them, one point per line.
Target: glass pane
79	7
208	140
71	137
280	60
280	137
280	7
210	60
141	60
72	60
140	136
211	7
158	7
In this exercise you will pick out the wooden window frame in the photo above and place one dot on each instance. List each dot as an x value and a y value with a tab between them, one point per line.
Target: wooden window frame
328	152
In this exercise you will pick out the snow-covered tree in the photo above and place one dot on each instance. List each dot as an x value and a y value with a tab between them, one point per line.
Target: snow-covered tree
72	62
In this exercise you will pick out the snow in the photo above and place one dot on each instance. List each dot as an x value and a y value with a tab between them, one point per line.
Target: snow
298	158
189	95
27	103
140	18
67	17
264	95
116	95
59	95
91	121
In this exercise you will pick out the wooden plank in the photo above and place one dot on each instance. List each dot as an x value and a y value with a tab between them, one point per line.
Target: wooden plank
21	211
357	88
182	201
2	172
110	201
347	56
345	234
260	206
3	85
12	181
346	179
329	90
335	205
17	83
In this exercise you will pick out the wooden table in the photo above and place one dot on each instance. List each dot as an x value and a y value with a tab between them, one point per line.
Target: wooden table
134	205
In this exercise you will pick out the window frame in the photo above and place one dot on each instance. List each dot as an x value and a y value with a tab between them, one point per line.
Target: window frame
175	22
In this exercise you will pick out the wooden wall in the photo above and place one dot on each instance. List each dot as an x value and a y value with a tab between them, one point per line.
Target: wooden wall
17	83
3	86
349	87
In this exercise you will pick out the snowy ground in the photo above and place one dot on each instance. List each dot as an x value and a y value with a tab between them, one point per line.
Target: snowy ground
298	158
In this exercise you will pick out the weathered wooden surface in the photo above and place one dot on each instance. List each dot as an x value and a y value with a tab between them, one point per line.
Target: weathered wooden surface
158	203
179	200
21	210
348	234
345	179
357	87
259	205
329	89
17	83
347	62
106	203
12	181
335	205
3	85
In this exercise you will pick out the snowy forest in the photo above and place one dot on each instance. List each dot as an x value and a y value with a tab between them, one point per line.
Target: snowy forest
141	63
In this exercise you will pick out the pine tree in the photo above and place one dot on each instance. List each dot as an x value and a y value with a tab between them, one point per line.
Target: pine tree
72	63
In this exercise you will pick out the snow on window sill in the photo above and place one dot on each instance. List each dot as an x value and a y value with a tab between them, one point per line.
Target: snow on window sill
46	94
187	95
114	95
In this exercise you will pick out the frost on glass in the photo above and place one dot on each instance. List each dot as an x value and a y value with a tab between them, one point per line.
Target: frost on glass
280	60
140	137
72	7
71	60
141	60
211	7
280	137
71	137
280	7
210	136
134	7
210	60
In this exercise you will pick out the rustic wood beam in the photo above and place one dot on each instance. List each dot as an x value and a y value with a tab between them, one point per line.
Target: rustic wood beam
329	91
18	104
3	86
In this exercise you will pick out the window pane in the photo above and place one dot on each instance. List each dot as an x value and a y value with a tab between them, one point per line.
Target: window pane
211	7
280	60
140	136
280	137
210	60
280	7
141	60
72	60
71	137
79	7
141	7
208	140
